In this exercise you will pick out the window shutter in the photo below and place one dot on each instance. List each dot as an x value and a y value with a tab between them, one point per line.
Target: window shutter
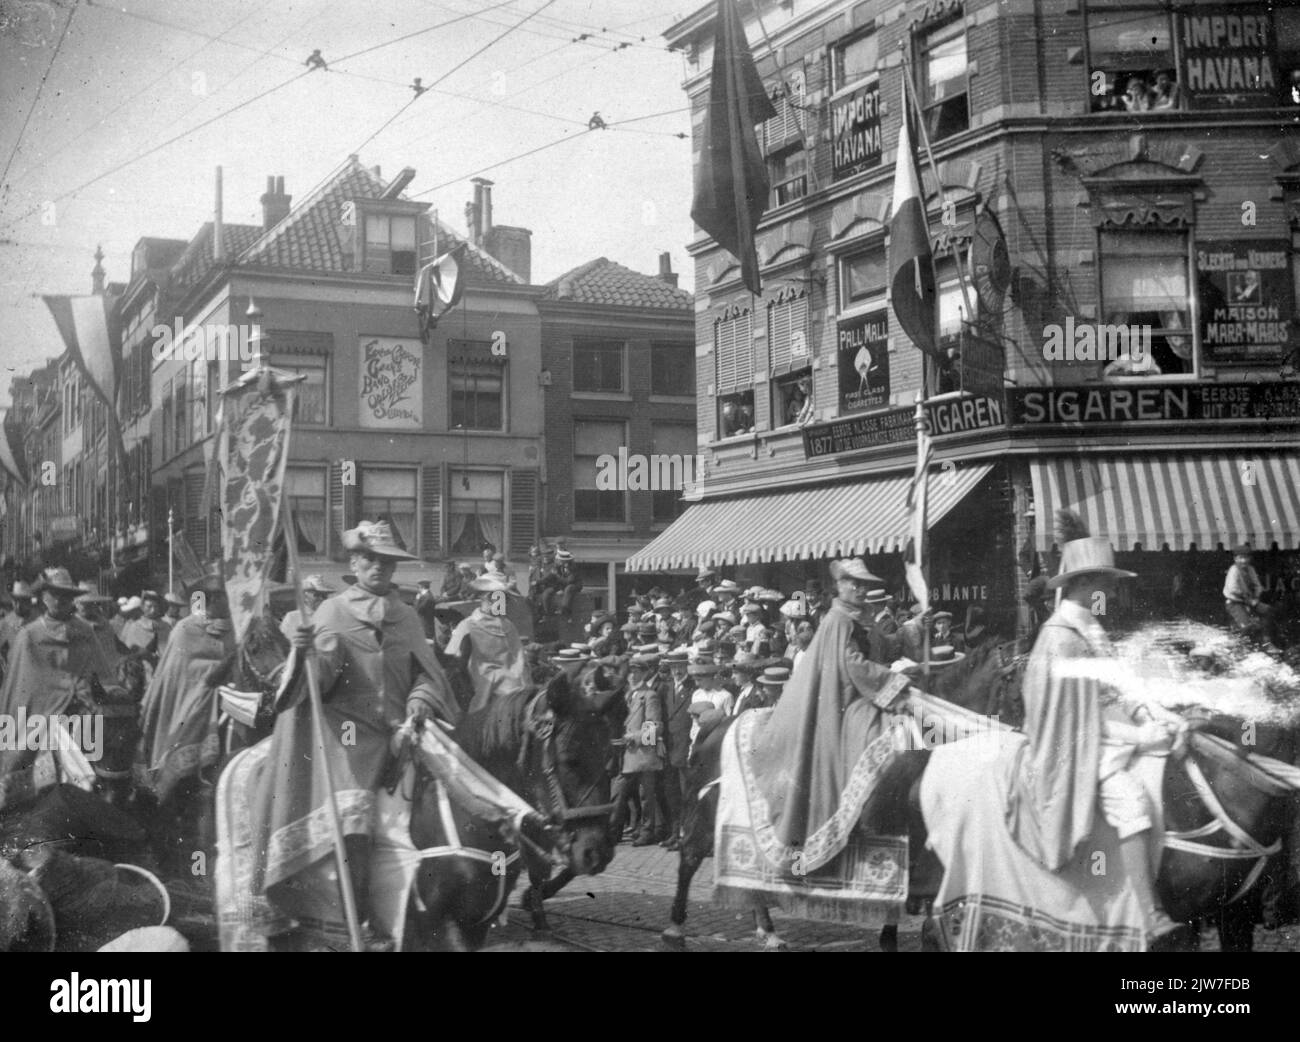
158	532
787	316
734	343
523	512
196	525
343	508
431	510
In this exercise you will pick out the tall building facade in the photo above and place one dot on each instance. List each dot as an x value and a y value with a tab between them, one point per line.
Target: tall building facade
1120	185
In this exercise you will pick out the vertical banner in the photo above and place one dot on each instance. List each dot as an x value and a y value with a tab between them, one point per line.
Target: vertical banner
253	453
863	354
392	392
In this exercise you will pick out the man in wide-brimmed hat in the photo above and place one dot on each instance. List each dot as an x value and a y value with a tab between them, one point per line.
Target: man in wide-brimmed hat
489	645
1081	735
90	605
1242	591
314	591
52	659
148	634
176	606
746	667
704	579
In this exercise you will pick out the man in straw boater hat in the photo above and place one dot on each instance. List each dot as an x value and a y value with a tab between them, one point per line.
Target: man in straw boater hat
704	580
1081	735
179	712
677	688
643	748
314	592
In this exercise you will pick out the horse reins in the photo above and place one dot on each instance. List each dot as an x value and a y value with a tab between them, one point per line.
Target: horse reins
1243	846
543	727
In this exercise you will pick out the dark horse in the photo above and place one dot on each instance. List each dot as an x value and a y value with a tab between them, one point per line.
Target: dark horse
550	748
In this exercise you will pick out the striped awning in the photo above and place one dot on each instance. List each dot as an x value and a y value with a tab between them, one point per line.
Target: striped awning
867	517
1148	501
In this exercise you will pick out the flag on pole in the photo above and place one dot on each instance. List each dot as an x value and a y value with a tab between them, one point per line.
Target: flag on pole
253	451
91	327
11	450
911	263
731	182
914	552
190	567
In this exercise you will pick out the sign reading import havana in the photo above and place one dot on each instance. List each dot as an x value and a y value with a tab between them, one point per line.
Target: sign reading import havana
1152	404
896	425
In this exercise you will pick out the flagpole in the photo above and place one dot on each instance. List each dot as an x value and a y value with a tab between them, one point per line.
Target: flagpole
171	556
921	541
317	726
934	169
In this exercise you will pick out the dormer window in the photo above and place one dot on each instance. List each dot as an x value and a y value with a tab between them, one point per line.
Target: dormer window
389	245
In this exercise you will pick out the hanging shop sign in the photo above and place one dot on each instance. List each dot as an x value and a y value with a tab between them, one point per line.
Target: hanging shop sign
863	353
855	132
1247	300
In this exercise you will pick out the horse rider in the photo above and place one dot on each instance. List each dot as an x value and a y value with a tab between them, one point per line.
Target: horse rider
314	591
1082	735
90	609
489	645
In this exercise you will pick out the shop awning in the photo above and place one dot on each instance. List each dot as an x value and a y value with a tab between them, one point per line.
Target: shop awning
1150	500
867	517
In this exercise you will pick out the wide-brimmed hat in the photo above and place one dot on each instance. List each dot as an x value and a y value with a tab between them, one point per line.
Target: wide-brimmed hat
90	594
1088	556
317	584
751	608
795	608
56	580
705	572
852	568
677	656
703	669
775	675
769	596
878	595
726	586
375	537
705	608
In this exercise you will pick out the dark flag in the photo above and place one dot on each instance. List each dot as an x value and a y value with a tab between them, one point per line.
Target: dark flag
911	264
731	184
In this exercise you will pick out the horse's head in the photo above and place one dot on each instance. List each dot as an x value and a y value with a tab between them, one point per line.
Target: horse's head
569	748
110	723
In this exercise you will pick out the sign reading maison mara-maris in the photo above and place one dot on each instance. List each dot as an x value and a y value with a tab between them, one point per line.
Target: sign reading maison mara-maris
1152	404
1247	299
897	425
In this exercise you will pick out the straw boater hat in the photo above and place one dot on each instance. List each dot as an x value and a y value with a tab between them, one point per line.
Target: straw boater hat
317	584
726	586
375	537
1081	553
878	595
942	655
775	676
571	656
703	669
852	568
1243	550
942	615
563	555
705	572
677	656
56	580
91	595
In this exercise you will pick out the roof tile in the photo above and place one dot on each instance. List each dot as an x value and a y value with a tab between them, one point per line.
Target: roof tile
602	281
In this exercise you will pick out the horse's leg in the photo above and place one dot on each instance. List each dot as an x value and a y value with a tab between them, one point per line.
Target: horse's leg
765	930
697	834
531	899
889	937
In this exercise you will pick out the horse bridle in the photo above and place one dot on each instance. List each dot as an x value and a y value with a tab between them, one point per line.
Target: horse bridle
542	727
1242	846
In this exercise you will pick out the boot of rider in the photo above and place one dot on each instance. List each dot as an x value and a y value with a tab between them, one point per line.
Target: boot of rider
1137	864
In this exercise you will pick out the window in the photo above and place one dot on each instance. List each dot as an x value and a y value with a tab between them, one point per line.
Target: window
180	400
672	369
388	493
591	440
952	318
390	245
215	383
167	413
476	383
674	458
863	278
311	396
735	414
791	397
733	347
854	60
787	170
476	509
1286	27
1133	52
943	85
598	365
305	487
1144	286
198	400
788	123
787	333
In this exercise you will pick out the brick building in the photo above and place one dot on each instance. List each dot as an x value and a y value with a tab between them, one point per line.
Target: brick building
1099	164
618	368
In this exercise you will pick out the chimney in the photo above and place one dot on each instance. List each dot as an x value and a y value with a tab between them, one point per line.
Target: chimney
97	273
218	226
666	273
513	247
275	204
482	208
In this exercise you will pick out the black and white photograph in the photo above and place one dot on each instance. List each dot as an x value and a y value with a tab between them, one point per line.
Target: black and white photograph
767	476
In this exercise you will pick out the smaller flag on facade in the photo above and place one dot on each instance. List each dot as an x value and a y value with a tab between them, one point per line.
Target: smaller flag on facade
911	263
917	496
731	182
187	560
11	450
91	327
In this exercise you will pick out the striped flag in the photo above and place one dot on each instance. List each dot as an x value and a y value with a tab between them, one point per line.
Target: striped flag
188	561
11	450
914	552
911	264
91	327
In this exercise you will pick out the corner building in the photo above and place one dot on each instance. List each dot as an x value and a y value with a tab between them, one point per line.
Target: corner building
1104	166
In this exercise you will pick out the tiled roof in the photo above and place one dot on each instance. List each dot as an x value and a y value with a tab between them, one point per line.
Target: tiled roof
310	238
196	260
603	282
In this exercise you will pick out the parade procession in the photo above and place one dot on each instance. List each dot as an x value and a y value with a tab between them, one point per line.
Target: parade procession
924	578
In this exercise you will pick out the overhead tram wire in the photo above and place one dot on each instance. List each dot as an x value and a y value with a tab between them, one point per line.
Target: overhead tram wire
455	68
421	32
22	131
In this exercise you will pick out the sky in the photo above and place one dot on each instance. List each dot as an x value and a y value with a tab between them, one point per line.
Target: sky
115	121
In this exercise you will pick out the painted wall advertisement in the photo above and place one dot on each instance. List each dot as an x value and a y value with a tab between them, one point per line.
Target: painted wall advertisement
1228	57
392	394
863	353
855	132
1247	300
